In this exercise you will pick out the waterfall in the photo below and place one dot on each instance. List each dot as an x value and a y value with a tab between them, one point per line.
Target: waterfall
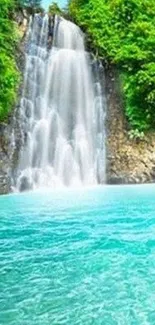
62	110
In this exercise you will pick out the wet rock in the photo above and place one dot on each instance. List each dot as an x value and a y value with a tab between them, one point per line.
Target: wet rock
25	184
115	180
5	158
152	173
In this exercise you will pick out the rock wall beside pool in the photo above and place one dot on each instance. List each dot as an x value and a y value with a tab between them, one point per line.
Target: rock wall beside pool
128	161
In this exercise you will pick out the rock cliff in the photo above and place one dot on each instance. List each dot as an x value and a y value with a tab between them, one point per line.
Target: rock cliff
128	161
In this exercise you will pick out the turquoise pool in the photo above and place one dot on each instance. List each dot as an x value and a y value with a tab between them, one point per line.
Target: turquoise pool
80	257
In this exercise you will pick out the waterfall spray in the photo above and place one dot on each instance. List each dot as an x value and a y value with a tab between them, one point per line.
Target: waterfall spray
62	111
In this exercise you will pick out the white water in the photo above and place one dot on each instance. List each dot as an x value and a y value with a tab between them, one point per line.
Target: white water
62	111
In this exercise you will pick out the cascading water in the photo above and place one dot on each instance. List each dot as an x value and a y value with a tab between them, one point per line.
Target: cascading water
62	111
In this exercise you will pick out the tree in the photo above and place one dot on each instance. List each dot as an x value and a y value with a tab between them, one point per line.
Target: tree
9	76
30	3
54	9
31	6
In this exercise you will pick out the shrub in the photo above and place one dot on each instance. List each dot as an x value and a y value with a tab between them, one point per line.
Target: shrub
9	75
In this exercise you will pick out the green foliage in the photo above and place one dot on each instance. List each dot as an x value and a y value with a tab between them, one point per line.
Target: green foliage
136	135
123	32
54	9
9	75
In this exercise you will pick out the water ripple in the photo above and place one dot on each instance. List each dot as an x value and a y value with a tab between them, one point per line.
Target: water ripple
78	258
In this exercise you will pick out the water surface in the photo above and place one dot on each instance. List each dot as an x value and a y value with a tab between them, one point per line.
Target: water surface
78	257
